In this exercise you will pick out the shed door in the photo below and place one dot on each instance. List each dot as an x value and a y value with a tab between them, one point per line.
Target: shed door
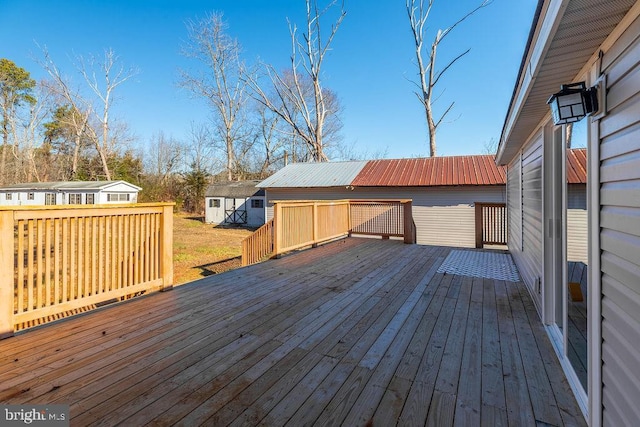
215	210
235	211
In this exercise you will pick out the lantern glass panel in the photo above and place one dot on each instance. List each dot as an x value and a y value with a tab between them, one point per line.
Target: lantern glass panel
570	99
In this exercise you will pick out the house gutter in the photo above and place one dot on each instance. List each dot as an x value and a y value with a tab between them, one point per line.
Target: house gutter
523	62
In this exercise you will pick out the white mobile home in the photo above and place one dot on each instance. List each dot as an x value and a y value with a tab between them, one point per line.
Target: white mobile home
235	203
444	190
69	193
596	339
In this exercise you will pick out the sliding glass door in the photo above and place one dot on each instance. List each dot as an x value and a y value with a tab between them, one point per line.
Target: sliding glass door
565	249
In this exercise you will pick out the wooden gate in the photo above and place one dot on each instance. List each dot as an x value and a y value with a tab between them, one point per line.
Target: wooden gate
491	224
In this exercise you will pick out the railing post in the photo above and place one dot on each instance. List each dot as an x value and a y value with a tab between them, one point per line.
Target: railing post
6	278
166	248
314	231
408	222
479	226
349	229
277	242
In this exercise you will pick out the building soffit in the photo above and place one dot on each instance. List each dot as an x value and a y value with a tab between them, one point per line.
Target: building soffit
564	39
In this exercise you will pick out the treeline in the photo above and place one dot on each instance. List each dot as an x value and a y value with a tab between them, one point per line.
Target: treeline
61	129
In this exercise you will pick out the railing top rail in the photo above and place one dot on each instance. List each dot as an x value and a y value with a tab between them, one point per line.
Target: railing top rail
72	211
363	201
341	201
261	228
492	204
80	207
310	202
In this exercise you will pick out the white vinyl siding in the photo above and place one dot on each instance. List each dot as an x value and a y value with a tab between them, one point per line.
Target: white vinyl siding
444	216
514	201
620	231
528	257
89	192
577	241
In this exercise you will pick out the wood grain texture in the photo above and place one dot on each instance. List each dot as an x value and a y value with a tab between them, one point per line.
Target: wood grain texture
68	259
355	332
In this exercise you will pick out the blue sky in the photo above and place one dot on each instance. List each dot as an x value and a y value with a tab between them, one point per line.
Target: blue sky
369	67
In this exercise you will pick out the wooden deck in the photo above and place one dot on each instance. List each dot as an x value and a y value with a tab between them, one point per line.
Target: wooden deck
357	332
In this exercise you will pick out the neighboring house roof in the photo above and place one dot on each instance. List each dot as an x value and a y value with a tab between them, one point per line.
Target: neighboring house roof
431	171
235	189
419	172
563	37
66	185
577	166
328	174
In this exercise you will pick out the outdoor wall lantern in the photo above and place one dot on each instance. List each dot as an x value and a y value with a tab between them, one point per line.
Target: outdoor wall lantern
572	103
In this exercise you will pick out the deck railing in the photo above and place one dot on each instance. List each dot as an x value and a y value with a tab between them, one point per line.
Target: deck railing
374	218
56	259
298	224
258	245
491	224
304	223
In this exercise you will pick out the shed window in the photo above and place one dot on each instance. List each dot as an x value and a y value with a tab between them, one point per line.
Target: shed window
50	199
214	203
257	203
89	199
75	199
30	196
117	197
8	196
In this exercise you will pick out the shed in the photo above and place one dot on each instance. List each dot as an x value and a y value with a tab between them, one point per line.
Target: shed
443	190
69	193
596	335
235	203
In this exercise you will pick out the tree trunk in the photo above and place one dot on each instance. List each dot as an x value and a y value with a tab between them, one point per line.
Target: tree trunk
230	157
105	165
429	112
105	140
5	146
76	156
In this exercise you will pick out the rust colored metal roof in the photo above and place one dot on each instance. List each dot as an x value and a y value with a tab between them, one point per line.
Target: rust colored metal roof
577	166
432	171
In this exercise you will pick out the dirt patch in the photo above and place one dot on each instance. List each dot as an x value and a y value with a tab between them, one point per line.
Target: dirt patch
200	249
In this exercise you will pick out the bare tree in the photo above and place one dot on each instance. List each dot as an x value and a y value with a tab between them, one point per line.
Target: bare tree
272	141
220	84
80	111
418	13
165	157
113	74
90	116
569	134
300	99
200	151
490	147
25	150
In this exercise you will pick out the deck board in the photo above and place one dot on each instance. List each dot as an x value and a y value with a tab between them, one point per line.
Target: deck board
355	332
